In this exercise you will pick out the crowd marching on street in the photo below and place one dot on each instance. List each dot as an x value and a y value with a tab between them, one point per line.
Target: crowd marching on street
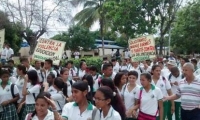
123	89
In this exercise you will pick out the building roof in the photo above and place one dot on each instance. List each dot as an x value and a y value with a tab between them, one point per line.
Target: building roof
108	41
109	46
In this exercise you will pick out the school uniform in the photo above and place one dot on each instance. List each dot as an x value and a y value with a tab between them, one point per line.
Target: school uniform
69	87
124	67
9	111
30	98
20	83
149	100
80	73
177	102
47	72
72	73
71	111
30	68
164	85
49	116
129	96
112	115
40	75
116	68
59	99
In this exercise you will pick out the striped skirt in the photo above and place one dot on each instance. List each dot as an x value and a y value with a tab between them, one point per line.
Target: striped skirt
29	108
9	113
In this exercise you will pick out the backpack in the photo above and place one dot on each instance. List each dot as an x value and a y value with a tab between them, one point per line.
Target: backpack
13	95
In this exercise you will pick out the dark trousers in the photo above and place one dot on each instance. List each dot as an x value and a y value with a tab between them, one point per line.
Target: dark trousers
190	114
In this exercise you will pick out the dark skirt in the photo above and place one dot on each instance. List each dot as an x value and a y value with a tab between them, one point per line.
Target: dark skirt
9	113
29	108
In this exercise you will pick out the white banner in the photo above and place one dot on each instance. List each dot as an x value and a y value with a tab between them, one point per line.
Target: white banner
2	39
49	49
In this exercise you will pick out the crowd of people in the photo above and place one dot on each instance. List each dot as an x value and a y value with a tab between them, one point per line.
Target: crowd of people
127	90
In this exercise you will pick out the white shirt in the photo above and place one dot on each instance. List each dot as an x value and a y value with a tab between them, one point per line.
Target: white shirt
164	85
112	115
174	87
165	72
14	72
80	73
10	52
71	111
5	94
40	75
59	99
47	72
124	67
32	89
149	100
30	68
129	97
49	116
116	68
197	72
126	54
76	54
4	53
20	83
72	73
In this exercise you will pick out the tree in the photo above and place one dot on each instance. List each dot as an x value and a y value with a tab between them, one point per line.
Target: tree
35	16
12	32
185	32
92	13
166	10
131	18
76	37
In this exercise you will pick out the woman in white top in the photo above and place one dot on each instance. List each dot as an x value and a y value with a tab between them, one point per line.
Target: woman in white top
64	73
81	71
7	100
58	95
119	80
41	111
30	90
128	93
21	72
81	108
104	100
148	100
163	83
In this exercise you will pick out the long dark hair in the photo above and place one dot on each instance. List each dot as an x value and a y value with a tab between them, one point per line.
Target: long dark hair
116	101
33	77
118	78
90	83
42	95
58	82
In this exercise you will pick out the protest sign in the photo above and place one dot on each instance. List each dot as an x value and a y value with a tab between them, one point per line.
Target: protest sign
49	49
142	48
2	39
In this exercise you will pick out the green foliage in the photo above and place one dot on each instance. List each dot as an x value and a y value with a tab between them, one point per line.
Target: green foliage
76	37
12	32
185	34
132	18
96	61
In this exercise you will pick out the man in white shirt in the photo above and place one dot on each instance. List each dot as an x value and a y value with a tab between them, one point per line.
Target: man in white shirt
4	54
48	68
10	52
39	71
26	63
115	65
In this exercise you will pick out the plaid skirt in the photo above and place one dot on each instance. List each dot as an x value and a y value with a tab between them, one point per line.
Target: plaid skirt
9	113
29	108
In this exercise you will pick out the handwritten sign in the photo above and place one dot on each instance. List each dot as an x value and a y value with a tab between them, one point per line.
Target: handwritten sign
2	39
142	48
49	49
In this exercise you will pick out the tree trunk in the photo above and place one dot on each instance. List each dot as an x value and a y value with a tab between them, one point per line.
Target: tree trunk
102	36
161	44
32	42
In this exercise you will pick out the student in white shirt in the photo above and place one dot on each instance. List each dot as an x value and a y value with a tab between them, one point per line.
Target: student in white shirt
24	61
119	80
81	70
94	73
64	73
39	71
50	81
175	77
8	98
13	68
115	65
4	54
163	83
124	65
88	78
105	100
30	90
118	105
59	94
148	100
41	111
128	93
72	70
10	52
21	72
81	108
48	68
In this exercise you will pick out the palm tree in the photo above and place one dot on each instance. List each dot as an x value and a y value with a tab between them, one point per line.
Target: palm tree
91	13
